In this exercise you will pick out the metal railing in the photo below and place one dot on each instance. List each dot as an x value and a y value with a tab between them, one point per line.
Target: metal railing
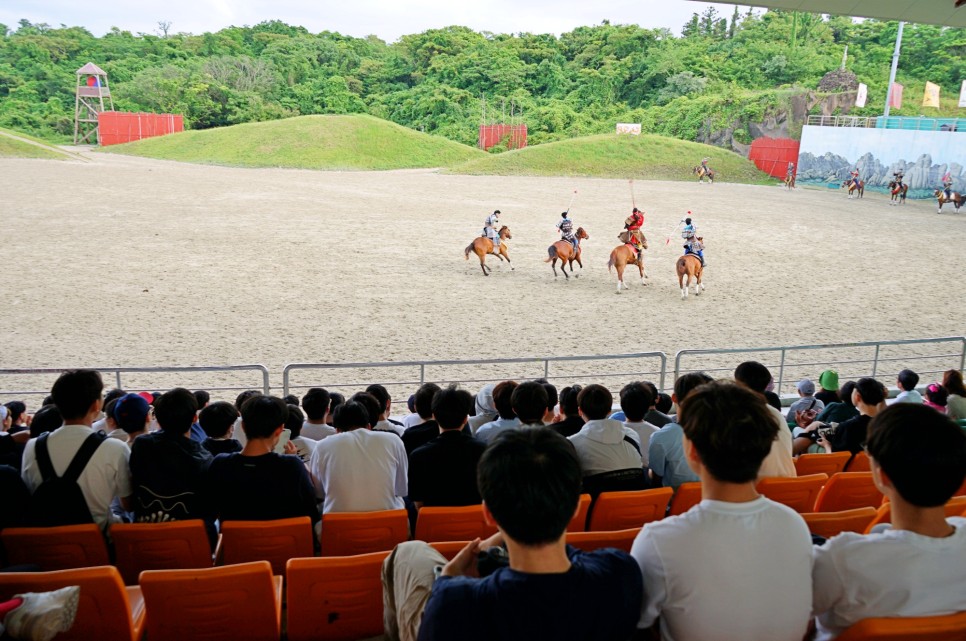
913	123
841	121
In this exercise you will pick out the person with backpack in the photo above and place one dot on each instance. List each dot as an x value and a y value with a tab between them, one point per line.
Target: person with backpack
74	473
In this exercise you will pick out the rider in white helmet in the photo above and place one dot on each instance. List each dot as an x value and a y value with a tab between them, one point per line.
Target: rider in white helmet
491	229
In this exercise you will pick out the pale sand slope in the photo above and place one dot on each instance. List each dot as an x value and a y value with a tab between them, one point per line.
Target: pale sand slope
127	261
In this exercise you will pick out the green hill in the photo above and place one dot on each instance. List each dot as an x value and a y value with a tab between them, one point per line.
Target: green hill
611	156
307	142
11	147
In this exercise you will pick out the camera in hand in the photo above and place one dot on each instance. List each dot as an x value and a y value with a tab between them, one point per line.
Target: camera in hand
826	431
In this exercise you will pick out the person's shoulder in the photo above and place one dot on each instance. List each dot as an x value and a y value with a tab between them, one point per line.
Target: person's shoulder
605	560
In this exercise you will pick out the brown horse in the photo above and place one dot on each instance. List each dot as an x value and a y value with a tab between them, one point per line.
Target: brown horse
790	181
703	172
482	246
689	265
957	199
898	194
564	250
620	257
851	185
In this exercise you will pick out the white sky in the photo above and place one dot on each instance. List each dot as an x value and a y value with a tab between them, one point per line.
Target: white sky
387	19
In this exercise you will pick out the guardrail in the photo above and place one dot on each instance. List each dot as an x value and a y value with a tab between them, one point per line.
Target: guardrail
890	122
841	121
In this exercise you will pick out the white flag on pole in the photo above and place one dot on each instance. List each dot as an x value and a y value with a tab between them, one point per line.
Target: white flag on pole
863	95
962	95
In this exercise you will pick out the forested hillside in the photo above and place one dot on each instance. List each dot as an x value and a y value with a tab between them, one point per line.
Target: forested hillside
579	83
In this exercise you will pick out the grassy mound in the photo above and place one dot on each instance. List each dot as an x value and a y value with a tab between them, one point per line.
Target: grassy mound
611	156
12	148
307	142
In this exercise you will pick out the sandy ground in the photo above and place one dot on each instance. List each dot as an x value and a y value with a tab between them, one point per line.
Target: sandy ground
127	261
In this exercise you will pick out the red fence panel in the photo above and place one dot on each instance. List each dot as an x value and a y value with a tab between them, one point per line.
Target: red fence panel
492	135
772	155
116	127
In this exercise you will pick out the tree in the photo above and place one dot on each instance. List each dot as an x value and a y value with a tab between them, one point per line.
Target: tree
164	26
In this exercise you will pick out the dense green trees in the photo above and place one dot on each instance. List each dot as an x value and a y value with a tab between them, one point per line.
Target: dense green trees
437	81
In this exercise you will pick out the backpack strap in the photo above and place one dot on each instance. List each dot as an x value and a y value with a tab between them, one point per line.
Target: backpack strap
43	458
83	456
633	443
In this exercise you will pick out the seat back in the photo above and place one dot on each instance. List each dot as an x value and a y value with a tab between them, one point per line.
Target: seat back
859	463
579	522
273	541
798	493
828	524
590	541
627	480
452	524
348	533
448	549
685	497
335	597
623	510
953	507
175	545
883	514
56	548
831	463
950	627
104	610
215	604
848	490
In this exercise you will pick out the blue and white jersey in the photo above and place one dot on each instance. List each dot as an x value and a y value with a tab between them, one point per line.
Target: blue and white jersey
566	227
688	231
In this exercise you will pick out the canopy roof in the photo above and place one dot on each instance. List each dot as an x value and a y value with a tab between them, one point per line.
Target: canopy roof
951	13
90	69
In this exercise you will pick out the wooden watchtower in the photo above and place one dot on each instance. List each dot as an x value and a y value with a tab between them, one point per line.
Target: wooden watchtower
92	88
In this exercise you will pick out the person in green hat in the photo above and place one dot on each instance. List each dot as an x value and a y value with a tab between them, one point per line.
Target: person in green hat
829	382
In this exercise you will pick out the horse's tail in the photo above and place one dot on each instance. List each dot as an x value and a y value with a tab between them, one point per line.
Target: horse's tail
466	253
551	254
610	263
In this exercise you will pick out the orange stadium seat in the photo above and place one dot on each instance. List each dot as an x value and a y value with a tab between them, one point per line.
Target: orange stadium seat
273	541
848	490
348	533
579	522
622	510
216	604
56	548
859	463
798	493
449	549
685	497
106	610
954	507
335	598
590	541
951	627
828	524
452	524
175	545
829	464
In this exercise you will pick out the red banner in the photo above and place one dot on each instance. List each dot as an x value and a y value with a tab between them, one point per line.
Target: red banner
895	98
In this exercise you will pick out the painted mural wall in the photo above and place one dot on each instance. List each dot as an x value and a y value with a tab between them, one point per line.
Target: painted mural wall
828	154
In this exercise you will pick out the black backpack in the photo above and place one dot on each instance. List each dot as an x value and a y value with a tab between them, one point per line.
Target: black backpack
59	499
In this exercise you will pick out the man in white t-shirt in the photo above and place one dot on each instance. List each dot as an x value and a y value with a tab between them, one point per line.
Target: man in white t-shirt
918	567
737	566
316	406
779	462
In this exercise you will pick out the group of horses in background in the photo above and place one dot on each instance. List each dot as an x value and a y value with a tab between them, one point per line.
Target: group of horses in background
897	194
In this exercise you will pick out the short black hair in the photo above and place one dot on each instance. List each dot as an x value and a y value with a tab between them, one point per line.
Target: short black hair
908	379
845	394
262	415
381	394
108	410
870	390
349	416
75	391
451	407
596	402
315	402
217	418
176	410
369	402
529	401
202	397
117	392
17	408
503	399
244	396
530	481
653	389
753	375
636	398
568	400
731	428
335	399
46	419
291	399
922	451
424	400
294	421
686	383
551	393
664	403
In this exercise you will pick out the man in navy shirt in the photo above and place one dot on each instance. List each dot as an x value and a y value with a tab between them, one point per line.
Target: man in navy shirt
530	483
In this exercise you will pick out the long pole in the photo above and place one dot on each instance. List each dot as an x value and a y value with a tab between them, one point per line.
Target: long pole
892	74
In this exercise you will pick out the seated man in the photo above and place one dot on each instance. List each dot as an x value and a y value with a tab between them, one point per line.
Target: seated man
695	246
529	401
669	466
636	398
736	566
218	422
427	430
530	481
779	462
906	382
506	417
603	444
316	406
805	407
917	568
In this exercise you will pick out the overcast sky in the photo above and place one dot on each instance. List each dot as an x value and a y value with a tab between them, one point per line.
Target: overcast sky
387	19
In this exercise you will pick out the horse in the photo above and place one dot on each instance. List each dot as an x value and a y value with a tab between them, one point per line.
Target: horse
701	172
790	181
956	198
482	246
898	193
564	250
851	185
689	265
620	257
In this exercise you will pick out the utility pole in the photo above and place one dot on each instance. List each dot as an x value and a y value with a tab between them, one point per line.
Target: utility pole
892	74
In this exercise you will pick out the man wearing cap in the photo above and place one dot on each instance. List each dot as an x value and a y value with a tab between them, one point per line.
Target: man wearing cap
807	402
132	414
829	382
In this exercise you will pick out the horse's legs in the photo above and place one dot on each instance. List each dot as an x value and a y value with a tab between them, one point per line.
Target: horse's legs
506	256
620	277
579	262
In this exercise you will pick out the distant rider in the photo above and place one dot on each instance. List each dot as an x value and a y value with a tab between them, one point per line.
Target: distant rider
491	230
855	177
633	224
704	165
898	175
948	185
696	246
566	228
790	174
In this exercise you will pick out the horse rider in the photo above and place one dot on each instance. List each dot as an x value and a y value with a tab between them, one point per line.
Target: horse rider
695	246
790	173
704	165
633	224
566	229
491	230
898	176
855	177
948	185
689	230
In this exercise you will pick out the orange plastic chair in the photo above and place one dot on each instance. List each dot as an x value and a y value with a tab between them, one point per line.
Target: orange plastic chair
950	627
831	463
828	524
335	598
859	463
623	510
798	493
56	548
452	524
348	533
848	490
687	496
579	522
449	549
216	604
954	507
106	610
590	541
962	490
273	541
175	545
